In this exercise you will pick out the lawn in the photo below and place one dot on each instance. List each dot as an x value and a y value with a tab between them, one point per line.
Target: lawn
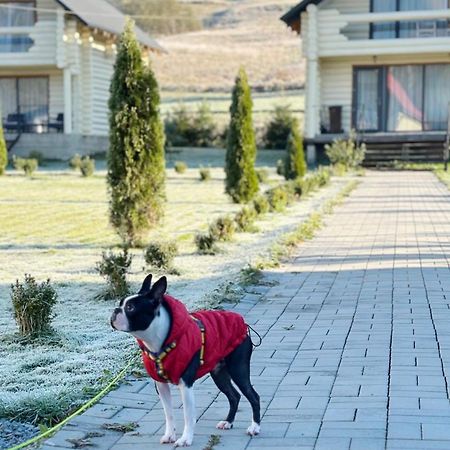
56	225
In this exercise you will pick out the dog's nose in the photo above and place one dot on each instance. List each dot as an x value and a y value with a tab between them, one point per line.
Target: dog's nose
114	316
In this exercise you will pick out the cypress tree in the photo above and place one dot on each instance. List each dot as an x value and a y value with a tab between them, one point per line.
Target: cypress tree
136	164
241	180
294	164
3	151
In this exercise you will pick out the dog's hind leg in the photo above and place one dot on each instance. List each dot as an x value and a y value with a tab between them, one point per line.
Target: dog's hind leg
222	379
238	366
166	400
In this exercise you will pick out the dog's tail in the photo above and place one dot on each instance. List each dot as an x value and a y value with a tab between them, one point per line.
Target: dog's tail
257	334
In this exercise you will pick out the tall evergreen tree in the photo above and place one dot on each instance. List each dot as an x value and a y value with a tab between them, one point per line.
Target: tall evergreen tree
136	164
241	180
3	151
294	164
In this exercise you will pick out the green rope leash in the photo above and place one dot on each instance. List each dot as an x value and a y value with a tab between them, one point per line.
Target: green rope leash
83	408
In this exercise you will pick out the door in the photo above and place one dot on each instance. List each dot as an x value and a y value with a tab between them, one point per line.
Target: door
367	99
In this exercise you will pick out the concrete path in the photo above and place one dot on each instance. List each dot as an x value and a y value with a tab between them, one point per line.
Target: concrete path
356	350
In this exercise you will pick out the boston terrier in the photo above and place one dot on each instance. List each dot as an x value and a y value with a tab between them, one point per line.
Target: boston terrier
179	348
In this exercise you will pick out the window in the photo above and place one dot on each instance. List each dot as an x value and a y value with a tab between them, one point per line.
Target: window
16	14
402	98
409	29
27	97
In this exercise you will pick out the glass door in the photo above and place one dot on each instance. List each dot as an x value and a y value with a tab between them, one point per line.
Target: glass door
367	99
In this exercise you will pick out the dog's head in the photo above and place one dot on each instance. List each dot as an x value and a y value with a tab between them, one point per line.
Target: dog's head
136	312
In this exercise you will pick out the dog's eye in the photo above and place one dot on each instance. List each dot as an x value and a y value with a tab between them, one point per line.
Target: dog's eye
129	308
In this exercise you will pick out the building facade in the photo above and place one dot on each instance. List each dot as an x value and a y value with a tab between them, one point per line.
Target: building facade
380	67
56	63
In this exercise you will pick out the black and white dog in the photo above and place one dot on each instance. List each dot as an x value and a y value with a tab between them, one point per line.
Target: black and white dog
151	316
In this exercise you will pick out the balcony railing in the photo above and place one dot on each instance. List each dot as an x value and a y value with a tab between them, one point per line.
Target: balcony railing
350	34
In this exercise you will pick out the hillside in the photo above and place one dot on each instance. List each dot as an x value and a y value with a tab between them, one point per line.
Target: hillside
236	32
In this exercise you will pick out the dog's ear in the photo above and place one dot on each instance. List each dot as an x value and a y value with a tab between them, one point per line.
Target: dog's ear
158	289
146	285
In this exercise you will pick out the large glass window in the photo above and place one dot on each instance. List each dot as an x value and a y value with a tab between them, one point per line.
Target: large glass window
25	100
402	98
409	29
17	14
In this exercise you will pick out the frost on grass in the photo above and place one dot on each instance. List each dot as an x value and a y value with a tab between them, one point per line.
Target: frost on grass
42	381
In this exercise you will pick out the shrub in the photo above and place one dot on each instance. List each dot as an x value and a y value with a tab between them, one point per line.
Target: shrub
241	180
191	129
29	166
278	199
87	166
346	152
136	163
323	176
245	219
75	162
180	167
339	169
114	267
280	167
161	254
279	127
37	155
263	175
294	164
33	304
205	174
261	205
3	151
222	229
206	244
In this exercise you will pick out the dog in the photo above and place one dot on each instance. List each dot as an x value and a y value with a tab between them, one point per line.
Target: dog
179	348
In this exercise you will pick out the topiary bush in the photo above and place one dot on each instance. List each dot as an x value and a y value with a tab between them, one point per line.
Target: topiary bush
3	151
222	229
136	161
33	304
28	165
278	199
161	254
261	205
75	162
346	152
294	163
206	244
279	127
241	181
205	174
180	167
245	219
87	166
114	267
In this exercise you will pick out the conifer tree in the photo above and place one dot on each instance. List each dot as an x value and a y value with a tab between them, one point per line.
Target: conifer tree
3	151
241	180
294	164
136	161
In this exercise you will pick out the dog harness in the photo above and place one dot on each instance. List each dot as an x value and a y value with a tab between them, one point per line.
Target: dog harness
212	334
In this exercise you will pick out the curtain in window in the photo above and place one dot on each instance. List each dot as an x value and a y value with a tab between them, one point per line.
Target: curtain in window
423	28
33	99
384	30
405	93
8	97
367	95
13	14
437	96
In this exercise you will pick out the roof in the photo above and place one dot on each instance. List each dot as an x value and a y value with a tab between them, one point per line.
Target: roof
292	17
104	16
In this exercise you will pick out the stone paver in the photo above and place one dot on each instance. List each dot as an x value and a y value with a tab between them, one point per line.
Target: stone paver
356	349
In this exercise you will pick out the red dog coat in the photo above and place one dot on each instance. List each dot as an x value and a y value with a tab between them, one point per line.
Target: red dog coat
214	333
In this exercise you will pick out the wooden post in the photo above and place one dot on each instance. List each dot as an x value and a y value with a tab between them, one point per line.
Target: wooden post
67	101
447	142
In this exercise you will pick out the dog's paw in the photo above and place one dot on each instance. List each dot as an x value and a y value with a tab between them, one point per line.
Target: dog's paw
183	442
168	438
254	429
224	425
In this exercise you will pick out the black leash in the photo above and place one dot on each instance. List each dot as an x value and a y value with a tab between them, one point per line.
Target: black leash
257	334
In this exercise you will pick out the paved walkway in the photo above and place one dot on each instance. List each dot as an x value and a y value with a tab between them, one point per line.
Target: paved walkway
356	351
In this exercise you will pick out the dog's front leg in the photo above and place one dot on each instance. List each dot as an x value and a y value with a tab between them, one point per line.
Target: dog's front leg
187	396
166	400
